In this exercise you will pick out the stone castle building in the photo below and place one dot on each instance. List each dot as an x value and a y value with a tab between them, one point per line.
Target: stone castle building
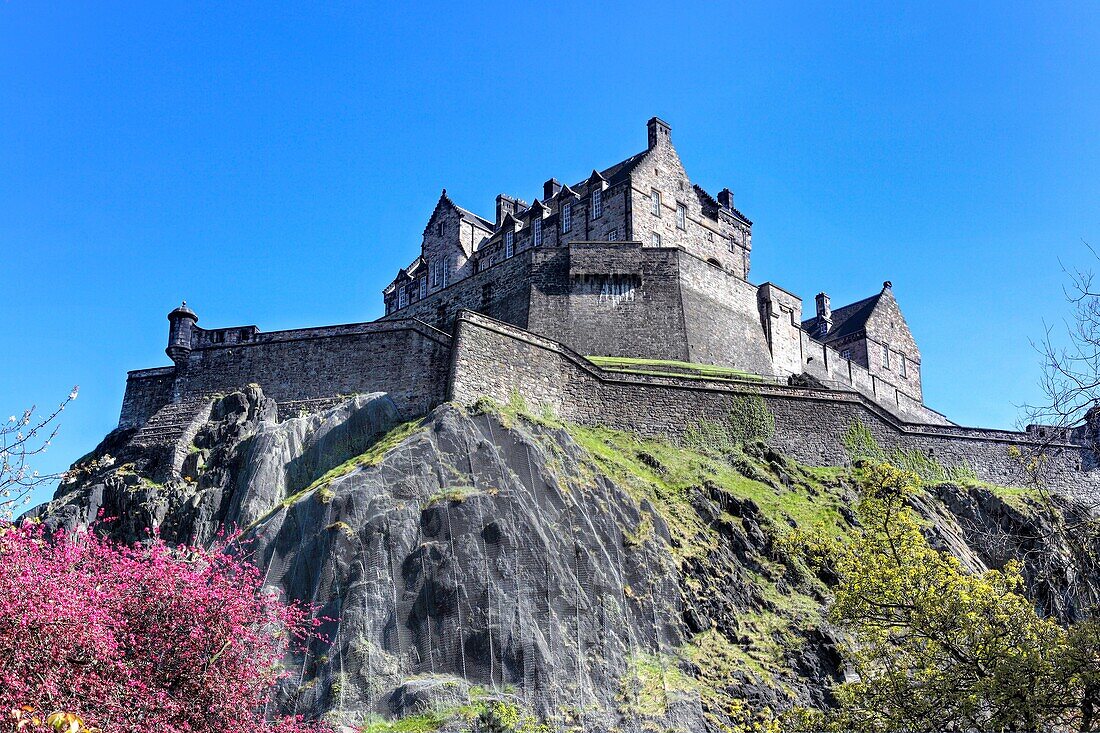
635	262
638	261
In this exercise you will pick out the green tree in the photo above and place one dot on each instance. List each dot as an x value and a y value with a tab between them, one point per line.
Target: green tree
937	648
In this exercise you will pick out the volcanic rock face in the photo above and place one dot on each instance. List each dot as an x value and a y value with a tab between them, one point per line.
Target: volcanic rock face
477	553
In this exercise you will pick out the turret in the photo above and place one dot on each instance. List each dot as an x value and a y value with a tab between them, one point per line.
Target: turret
181	324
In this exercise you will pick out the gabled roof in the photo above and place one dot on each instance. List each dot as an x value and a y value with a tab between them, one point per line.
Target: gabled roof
595	178
847	320
566	191
469	216
536	208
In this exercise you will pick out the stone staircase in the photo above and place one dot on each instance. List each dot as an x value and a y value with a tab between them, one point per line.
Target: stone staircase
173	427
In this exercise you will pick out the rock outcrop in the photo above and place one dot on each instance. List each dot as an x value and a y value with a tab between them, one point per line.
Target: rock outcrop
593	580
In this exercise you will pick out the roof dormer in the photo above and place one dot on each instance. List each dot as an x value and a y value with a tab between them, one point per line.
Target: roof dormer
596	181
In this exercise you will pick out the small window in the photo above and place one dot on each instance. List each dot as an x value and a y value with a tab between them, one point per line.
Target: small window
656	239
846	354
442	227
885	356
423	287
613	235
566	217
402	298
597	203
445	277
538	232
655	201
901	367
681	216
509	243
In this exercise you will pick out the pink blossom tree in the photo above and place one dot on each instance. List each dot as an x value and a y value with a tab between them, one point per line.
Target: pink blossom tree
144	637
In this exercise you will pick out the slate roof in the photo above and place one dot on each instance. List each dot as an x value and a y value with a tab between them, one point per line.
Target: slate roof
847	320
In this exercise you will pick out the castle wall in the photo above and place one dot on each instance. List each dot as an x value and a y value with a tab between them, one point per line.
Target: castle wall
722	318
825	363
781	316
493	359
406	359
147	390
502	292
611	300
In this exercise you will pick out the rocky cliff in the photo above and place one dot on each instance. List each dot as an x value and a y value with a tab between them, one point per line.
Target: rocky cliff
584	578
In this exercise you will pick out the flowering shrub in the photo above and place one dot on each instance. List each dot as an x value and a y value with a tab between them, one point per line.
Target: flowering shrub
98	635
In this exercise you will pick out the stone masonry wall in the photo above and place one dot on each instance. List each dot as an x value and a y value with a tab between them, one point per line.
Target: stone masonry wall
493	359
502	292
147	390
406	359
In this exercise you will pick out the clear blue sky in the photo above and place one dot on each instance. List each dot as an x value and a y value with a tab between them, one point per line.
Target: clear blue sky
276	165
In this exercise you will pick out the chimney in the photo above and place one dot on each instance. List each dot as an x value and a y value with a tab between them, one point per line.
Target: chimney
659	132
505	205
824	314
725	198
550	189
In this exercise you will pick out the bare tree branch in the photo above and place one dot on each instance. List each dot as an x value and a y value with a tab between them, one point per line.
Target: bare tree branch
21	439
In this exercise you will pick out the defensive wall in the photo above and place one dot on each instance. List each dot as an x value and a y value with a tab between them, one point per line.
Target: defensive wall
407	358
421	366
495	359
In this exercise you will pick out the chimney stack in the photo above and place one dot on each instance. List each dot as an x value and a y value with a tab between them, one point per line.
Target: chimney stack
550	189
660	132
824	314
725	198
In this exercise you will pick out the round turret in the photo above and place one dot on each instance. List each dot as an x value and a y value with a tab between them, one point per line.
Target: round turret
181	323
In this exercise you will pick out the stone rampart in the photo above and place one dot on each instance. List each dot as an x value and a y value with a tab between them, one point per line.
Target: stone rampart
493	359
406	358
147	390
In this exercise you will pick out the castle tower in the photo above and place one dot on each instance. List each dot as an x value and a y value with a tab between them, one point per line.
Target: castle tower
181	324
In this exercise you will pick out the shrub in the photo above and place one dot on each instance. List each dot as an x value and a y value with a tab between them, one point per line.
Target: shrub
142	637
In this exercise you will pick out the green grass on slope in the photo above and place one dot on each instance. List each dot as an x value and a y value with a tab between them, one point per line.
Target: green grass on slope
668	476
665	368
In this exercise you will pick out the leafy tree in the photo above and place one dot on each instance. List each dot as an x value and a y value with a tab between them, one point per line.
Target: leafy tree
128	638
936	648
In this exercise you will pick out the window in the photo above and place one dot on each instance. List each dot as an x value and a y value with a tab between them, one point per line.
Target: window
885	356
441	228
538	232
846	354
402	298
655	200
423	287
445	277
901	367
509	243
656	239
613	235
566	217
681	216
597	203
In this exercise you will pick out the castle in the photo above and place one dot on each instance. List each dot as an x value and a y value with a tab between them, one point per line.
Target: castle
622	299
